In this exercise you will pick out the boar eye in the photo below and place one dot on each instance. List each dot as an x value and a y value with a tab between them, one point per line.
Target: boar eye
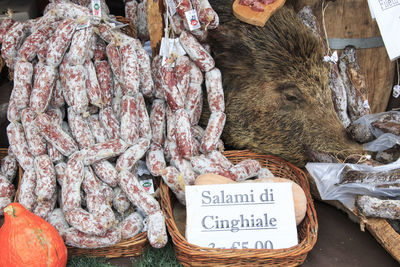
291	98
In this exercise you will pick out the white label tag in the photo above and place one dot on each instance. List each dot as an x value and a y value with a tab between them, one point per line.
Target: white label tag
396	91
96	9
147	185
242	215
82	24
171	7
192	20
170	50
387	13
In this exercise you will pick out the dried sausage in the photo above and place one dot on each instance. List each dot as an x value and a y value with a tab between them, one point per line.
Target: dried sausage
36	143
45	178
194	103
129	158
104	77
157	121
213	131
19	146
100	151
27	186
129	119
215	92
43	88
130	69
155	160
109	122
183	134
174	179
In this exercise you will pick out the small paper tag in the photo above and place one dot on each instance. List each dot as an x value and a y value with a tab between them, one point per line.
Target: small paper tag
171	7
192	20
96	9
396	91
147	185
170	50
332	59
366	104
82	24
115	24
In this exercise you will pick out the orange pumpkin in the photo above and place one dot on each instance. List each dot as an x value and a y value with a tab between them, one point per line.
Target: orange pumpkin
28	240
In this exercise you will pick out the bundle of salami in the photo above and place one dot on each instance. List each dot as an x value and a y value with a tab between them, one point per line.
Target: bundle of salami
88	104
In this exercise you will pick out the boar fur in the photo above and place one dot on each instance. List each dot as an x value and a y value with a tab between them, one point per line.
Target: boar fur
277	95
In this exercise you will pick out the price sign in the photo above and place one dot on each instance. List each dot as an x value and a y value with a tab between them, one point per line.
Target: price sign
242	215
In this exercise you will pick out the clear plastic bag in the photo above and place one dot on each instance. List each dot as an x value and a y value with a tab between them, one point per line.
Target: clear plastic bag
327	177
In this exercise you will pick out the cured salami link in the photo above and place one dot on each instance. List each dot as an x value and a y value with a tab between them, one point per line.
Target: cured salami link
13	113
357	93
215	92
97	130
194	103
171	92
71	188
21	92
104	77
78	239
177	24
6	188
181	164
197	132
245	169
114	58
54	134
174	179
131	9
70	10
137	195
155	160
45	178
130	69
43	88
106	171
129	119
85	222
156	230
45	207
57	99
76	87
90	184
146	81
59	168
54	154
265	173
206	14
170	120
182	6
80	43
60	41
201	164
144	120
36	143
196	52
213	132
34	41
157	121
120	201
93	90
141	21
42	51
182	75
129	158
26	196
98	206
9	167
80	129
183	133
19	146
131	225
99	52
5	26
339	97
56	218
219	158
117	99
109	122
11	41
100	151
105	33
157	77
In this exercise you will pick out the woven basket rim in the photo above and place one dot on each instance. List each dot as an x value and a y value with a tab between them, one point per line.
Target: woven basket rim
181	244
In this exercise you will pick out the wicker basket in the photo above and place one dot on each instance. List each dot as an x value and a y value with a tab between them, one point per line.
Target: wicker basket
192	255
132	247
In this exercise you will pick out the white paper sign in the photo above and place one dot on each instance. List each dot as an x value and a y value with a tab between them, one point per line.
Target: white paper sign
387	13
243	215
170	50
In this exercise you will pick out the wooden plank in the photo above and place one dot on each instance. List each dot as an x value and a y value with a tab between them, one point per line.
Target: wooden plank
246	14
155	23
352	19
